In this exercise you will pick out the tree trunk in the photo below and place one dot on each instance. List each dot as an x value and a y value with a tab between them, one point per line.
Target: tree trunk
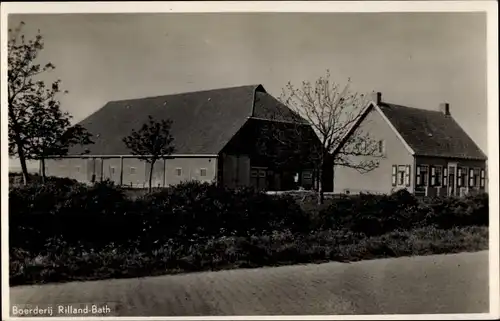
151	176
333	179
321	195
22	160
42	163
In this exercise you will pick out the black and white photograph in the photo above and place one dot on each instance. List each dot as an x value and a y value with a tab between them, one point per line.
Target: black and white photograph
221	160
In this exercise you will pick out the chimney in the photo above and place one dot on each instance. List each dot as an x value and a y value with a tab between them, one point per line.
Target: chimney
377	97
445	109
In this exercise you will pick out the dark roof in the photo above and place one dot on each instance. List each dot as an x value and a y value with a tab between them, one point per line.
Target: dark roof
431	133
203	122
268	107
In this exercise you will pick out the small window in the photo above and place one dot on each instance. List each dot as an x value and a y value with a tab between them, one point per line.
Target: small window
381	147
433	176
203	172
262	173
483	178
476	177
178	171
445	176
307	175
133	170
254	173
471	177
401	175
394	175
422	175
407	175
459	177
439	176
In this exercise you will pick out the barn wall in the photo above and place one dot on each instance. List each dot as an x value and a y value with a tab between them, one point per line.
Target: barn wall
134	172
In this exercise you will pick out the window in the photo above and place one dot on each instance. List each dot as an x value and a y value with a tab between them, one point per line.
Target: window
401	174
439	176
422	175
262	173
133	170
433	176
476	177
381	147
445	176
363	147
254	173
471	177
307	175
394	174
407	175
462	177
483	178
178	171
203	172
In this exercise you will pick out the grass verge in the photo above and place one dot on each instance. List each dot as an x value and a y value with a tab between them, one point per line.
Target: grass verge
63	263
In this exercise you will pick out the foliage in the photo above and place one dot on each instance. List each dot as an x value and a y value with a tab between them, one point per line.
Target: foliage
151	142
37	126
64	262
331	112
193	210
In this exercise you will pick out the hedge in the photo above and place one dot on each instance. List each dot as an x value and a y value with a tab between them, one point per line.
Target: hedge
94	216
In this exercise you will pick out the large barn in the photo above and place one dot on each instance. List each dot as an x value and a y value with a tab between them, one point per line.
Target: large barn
215	139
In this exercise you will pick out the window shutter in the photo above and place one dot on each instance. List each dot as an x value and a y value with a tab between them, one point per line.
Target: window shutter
394	173
433	176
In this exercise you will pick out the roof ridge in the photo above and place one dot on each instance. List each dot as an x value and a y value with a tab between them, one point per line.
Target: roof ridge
254	87
403	106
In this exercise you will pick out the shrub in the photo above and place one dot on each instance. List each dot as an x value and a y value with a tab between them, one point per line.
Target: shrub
96	215
379	214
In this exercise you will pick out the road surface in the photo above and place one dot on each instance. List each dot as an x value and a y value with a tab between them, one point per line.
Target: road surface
456	283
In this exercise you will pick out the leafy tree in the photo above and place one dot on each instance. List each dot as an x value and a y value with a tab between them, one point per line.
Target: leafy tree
331	111
51	133
37	126
151	142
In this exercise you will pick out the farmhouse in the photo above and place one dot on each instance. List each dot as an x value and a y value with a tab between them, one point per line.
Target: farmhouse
423	151
215	139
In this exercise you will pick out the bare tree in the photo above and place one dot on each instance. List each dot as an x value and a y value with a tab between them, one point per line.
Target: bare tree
331	112
37	126
151	142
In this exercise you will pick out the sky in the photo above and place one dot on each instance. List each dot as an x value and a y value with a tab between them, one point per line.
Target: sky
414	59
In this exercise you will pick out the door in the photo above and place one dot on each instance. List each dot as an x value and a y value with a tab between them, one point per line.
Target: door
258	178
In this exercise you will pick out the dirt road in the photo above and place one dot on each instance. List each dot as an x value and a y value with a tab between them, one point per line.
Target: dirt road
433	284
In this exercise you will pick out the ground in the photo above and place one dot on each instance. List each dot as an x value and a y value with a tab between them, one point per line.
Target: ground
456	283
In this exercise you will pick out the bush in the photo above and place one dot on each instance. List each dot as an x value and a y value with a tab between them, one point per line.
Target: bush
102	213
379	214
